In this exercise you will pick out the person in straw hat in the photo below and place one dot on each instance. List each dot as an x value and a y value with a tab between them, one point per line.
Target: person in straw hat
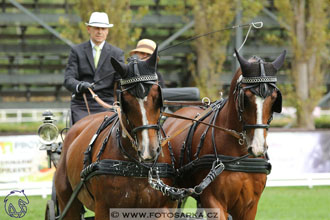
143	50
89	62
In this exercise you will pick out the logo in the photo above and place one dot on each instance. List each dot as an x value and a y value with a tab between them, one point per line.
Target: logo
15	204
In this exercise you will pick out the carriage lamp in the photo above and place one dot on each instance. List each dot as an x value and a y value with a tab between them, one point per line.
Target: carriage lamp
48	131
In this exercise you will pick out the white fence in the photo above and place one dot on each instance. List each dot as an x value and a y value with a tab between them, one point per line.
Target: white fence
45	188
30	115
30	189
308	179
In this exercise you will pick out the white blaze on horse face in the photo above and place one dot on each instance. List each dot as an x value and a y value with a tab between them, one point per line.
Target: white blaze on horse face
258	141
145	138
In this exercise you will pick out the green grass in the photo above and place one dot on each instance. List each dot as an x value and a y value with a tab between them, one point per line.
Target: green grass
24	128
295	203
291	203
35	209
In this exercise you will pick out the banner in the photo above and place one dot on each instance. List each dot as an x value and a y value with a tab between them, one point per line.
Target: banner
296	153
22	161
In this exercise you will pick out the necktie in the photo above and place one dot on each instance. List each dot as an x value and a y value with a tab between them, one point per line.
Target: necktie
97	55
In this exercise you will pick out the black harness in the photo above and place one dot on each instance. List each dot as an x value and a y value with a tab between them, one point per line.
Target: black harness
138	82
261	86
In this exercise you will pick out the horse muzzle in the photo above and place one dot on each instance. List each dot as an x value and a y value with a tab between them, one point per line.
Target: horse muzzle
258	152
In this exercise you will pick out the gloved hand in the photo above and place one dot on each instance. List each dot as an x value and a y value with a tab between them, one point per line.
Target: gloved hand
83	86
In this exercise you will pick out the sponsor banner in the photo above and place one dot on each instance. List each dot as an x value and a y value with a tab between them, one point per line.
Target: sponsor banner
299	153
22	161
291	153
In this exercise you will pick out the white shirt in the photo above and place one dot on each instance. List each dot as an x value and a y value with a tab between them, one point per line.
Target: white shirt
100	46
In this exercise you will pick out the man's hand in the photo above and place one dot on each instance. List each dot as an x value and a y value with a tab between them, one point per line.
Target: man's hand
83	87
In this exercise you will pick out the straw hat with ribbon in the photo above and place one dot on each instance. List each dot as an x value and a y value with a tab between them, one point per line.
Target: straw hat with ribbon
144	46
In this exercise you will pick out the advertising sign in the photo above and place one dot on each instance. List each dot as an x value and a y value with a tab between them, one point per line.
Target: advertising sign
22	161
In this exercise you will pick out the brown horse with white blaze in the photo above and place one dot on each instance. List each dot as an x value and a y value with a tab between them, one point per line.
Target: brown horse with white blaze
253	97
140	107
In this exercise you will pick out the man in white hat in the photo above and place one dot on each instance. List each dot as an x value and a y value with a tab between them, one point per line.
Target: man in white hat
89	62
143	50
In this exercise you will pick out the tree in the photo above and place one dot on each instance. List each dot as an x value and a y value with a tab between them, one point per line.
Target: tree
210	15
306	22
121	35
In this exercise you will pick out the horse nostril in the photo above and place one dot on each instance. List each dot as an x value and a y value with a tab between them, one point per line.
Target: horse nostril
139	154
158	150
250	151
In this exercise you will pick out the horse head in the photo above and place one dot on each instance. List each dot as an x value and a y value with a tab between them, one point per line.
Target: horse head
141	102
257	97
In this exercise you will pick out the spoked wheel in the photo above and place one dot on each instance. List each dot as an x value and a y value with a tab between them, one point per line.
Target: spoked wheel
54	198
50	210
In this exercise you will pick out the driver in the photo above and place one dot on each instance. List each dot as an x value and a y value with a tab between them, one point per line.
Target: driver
90	62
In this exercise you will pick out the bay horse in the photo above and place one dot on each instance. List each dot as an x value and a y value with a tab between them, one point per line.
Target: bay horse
139	147
253	97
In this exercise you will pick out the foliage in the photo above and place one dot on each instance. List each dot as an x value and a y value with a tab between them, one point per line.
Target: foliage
211	50
122	34
306	23
323	122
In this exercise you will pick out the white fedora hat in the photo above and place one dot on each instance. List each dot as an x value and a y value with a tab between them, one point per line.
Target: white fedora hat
99	19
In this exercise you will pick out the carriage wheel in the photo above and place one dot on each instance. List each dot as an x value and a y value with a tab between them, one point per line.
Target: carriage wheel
50	210
54	198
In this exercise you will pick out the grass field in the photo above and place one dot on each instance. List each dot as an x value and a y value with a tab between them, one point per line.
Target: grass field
280	203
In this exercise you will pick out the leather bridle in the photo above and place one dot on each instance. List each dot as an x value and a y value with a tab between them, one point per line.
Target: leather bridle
132	82
263	83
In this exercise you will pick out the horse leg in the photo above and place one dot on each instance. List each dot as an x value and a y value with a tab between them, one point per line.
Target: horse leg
63	192
209	201
101	211
246	213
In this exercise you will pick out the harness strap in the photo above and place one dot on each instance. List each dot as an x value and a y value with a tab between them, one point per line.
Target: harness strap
73	196
181	103
156	127
126	133
226	130
235	164
127	169
105	123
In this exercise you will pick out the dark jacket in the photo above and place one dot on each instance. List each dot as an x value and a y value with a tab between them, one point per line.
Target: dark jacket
80	67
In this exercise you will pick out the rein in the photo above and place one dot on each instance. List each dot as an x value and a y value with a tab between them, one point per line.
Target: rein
117	109
231	132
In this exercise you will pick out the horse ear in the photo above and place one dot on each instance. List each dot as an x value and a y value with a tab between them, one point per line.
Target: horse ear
153	58
277	64
242	61
119	67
